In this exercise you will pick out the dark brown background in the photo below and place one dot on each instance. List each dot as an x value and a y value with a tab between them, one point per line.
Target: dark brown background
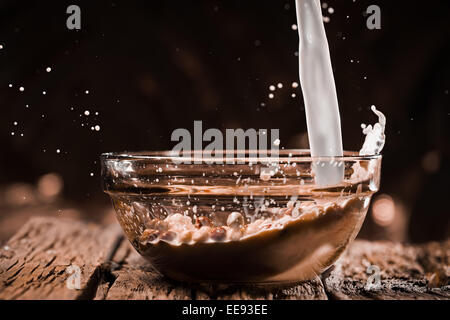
154	66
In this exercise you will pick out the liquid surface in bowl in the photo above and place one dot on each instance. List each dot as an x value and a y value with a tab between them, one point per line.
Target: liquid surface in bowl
241	239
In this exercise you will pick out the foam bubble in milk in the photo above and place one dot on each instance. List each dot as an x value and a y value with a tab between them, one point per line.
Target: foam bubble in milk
375	138
319	91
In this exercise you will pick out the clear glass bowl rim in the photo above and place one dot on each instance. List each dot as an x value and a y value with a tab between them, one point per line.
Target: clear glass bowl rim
297	155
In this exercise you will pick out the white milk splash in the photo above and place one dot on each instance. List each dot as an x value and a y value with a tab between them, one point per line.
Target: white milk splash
319	91
375	138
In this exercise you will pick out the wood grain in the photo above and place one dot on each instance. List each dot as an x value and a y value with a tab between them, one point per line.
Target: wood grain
33	265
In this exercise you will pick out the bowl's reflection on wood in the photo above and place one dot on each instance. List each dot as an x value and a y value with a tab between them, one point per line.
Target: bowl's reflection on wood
34	265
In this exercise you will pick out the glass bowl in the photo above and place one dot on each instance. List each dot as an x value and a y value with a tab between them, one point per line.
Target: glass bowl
248	220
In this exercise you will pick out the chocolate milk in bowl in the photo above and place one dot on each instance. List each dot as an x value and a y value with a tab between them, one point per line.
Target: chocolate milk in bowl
253	220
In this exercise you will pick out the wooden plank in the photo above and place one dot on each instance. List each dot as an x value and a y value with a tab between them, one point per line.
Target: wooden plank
405	271
33	266
308	290
33	263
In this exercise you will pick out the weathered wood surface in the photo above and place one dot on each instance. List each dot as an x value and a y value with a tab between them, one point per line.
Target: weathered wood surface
33	265
406	272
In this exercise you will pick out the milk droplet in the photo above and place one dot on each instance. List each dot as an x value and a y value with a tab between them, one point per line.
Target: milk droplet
294	84
86	113
22	89
272	88
48	69
280	85
276	142
58	151
97	128
271	96
294	27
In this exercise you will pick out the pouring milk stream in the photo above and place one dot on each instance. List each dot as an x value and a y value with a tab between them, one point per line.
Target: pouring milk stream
320	97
